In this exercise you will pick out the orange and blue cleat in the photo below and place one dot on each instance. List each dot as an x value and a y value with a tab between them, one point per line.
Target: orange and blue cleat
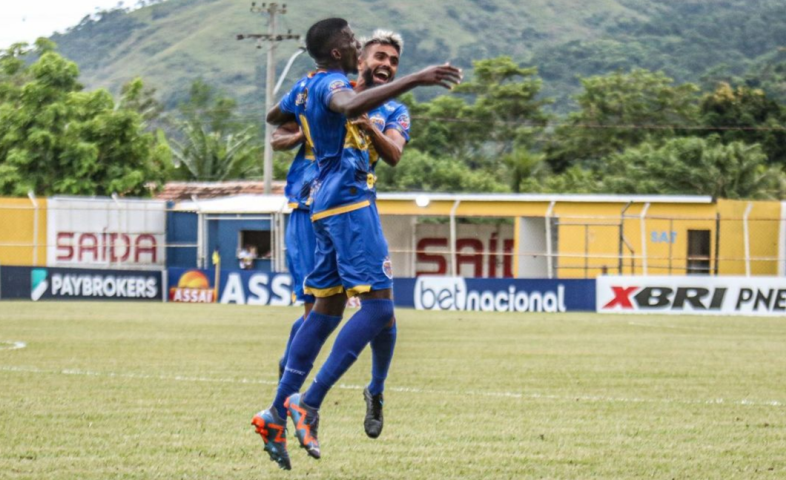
306	420
273	430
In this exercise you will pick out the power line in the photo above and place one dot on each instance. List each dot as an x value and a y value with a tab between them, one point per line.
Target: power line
273	38
566	125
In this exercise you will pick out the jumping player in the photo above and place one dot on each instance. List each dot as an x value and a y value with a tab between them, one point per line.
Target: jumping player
300	239
387	127
351	254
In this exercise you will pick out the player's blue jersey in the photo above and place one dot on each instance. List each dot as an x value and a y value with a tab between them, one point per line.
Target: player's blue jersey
301	174
345	179
391	115
303	170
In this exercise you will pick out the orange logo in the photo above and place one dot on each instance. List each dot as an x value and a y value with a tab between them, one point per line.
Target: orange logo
193	287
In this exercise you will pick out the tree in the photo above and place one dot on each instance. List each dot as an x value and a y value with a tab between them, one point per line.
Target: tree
212	143
419	171
57	139
747	115
695	166
619	111
489	116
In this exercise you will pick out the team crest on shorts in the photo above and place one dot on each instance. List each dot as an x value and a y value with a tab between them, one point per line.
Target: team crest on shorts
387	268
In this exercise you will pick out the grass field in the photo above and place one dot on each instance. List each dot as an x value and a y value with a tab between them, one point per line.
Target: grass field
167	391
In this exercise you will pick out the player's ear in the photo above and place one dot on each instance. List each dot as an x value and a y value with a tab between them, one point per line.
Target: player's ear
335	54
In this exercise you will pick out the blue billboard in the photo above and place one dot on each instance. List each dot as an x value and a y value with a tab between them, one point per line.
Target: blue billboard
242	287
495	294
44	283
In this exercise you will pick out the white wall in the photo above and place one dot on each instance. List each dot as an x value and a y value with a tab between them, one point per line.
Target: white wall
532	258
104	233
432	244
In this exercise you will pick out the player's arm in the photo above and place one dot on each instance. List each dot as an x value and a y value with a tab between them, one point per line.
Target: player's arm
277	116
388	144
287	136
352	104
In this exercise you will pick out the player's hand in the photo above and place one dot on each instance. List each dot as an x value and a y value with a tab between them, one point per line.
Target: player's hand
363	122
446	76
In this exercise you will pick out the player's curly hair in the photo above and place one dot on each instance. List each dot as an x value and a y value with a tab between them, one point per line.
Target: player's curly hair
384	37
321	37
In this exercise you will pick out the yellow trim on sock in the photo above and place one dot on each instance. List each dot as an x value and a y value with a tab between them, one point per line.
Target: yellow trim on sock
339	210
323	292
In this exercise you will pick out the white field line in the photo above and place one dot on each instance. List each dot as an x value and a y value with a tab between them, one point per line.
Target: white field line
12	345
472	393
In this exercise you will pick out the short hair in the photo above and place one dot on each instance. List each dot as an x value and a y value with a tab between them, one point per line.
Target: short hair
321	37
384	37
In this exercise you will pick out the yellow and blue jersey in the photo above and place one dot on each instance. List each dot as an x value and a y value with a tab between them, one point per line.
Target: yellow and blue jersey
391	115
303	170
344	181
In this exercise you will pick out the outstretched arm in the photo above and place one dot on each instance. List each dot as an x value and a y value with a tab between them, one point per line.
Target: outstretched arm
352	104
287	136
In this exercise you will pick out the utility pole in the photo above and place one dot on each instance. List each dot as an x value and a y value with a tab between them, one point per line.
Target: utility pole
271	37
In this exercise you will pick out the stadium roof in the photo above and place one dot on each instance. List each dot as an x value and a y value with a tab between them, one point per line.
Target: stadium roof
548	198
267	204
241	204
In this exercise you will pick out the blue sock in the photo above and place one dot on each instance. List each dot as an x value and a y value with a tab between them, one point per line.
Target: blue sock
351	340
304	350
381	355
295	327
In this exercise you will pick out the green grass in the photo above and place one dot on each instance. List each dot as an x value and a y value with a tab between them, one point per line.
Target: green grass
167	391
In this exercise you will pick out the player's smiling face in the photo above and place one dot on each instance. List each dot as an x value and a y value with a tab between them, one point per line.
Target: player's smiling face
349	50
379	64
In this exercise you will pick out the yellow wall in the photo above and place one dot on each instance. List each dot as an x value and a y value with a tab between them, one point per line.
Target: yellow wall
17	228
764	229
592	230
589	238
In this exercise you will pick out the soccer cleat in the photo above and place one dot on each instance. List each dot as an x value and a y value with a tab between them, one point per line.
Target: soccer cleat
306	420
374	420
273	430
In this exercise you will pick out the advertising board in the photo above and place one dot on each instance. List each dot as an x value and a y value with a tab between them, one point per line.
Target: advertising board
700	295
79	284
495	294
106	233
234	286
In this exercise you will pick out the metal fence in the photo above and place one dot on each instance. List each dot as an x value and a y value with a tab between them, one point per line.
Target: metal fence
567	247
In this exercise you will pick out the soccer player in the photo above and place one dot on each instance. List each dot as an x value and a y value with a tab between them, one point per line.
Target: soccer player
351	254
387	127
300	239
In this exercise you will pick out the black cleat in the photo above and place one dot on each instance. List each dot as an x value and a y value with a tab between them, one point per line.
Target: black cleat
374	421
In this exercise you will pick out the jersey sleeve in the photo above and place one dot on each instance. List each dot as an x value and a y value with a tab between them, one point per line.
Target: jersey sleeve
288	103
399	120
335	82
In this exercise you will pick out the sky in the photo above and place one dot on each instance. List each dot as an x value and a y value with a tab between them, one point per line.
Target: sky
26	20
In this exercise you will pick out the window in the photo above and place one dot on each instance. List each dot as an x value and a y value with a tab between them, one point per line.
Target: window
698	252
257	241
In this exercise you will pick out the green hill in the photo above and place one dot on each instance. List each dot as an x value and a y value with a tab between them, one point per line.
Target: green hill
170	44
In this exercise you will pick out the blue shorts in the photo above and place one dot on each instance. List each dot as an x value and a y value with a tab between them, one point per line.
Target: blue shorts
351	256
301	244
